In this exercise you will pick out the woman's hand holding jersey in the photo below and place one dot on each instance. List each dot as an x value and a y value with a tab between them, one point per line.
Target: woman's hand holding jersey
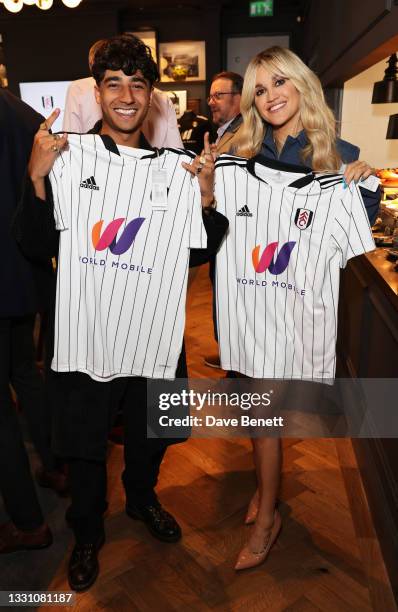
357	170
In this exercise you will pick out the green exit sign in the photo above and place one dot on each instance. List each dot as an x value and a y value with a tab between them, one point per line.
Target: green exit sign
265	8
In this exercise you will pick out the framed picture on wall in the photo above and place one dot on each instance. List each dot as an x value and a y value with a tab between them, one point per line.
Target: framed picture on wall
44	97
148	37
182	61
179	100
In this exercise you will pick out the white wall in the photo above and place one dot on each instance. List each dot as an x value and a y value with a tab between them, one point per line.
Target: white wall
365	124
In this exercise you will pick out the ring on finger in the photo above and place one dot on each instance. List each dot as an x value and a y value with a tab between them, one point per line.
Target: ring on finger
202	160
54	148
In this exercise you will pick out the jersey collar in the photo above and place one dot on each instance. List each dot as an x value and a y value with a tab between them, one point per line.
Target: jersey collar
275	164
111	145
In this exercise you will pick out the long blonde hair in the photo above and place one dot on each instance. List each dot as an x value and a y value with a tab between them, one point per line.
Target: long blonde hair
315	115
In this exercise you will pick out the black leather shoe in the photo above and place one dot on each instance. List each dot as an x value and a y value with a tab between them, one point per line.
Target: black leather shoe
158	521
83	566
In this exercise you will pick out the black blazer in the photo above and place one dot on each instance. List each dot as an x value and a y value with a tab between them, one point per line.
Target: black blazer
23	283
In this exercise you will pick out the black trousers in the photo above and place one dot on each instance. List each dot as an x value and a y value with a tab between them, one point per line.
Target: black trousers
88	478
212	276
83	424
18	368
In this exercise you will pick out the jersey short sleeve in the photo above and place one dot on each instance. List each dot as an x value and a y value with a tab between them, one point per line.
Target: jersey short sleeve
58	178
351	232
197	232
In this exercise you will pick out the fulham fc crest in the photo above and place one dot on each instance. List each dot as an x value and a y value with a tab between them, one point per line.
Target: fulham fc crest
303	218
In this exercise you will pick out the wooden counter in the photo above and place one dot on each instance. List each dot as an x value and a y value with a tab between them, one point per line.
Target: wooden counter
367	347
384	270
367	342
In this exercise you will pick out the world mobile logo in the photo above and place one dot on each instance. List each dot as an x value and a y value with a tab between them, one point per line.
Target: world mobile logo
109	235
266	261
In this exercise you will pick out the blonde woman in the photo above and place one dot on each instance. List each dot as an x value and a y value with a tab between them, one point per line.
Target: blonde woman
285	117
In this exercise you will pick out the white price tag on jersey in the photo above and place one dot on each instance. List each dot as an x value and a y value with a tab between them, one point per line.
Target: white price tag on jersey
371	183
159	189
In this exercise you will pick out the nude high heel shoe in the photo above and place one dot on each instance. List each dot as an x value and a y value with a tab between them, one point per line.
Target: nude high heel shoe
248	558
252	510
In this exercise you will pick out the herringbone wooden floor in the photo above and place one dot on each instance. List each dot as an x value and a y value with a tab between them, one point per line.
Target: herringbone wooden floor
326	558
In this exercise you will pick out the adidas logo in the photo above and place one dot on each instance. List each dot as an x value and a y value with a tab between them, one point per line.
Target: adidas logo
90	184
244	212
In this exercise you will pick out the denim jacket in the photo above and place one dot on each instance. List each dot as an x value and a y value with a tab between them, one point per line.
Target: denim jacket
290	154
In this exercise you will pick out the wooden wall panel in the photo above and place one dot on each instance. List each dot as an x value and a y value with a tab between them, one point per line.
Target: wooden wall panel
346	24
350	37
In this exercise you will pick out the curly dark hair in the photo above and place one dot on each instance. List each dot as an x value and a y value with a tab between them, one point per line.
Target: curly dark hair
124	52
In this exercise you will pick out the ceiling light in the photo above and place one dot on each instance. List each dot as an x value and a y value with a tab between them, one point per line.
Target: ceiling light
386	91
14	6
44	5
71	3
392	130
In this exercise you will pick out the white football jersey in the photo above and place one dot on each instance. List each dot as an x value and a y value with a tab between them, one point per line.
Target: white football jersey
123	262
278	270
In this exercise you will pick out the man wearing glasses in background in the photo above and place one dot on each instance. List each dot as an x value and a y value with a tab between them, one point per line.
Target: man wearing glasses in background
224	104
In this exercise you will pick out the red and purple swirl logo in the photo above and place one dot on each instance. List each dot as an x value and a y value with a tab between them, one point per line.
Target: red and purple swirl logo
267	262
108	238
